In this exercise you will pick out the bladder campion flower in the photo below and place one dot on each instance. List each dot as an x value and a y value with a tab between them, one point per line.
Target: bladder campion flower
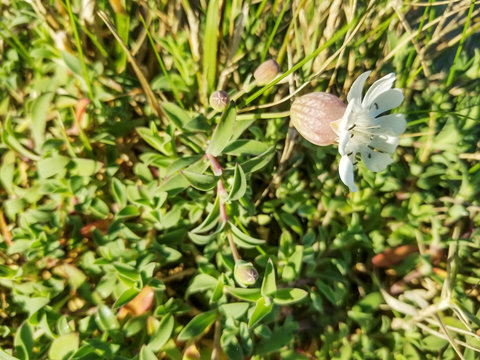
362	130
312	114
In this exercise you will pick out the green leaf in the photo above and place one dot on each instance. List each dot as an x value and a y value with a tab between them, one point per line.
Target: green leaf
181	163
106	318
200	283
200	181
161	336
10	139
243	240
85	167
262	308
174	185
224	130
287	296
218	292
268	285
75	276
52	166
239	184
235	310
245	294
128	211
126	296
231	346
146	353
7	170
258	162
72	63
211	220
39	118
175	113
210	44
64	347
245	147
6	272
200	239
119	192
6	356
197	325
198	123
23	342
153	139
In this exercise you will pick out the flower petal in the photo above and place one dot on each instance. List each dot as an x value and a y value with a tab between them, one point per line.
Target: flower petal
377	88
392	124
345	170
386	101
348	118
385	143
357	87
343	142
374	160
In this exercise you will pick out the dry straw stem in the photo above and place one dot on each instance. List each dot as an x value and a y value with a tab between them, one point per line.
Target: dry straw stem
429	142
158	110
236	38
411	36
408	29
442	336
327	62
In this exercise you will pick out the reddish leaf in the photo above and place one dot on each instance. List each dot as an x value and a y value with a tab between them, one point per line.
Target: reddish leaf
390	257
140	304
101	225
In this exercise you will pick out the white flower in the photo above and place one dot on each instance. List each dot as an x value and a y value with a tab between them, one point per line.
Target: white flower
362	130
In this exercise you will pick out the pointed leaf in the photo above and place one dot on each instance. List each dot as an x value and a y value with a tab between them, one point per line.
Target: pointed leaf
235	310
268	285
287	296
64	346
239	184
258	162
262	308
119	192
244	240
39	118
146	353
200	181
161	336
200	239
175	113
218	292
51	166
245	294
197	325
224	130
245	147
211	219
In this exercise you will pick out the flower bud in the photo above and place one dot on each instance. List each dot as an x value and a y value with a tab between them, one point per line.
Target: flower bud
266	72
245	273
219	100
191	353
312	115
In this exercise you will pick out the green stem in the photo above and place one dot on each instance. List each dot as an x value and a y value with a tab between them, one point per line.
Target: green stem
451	74
273	115
80	51
331	41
